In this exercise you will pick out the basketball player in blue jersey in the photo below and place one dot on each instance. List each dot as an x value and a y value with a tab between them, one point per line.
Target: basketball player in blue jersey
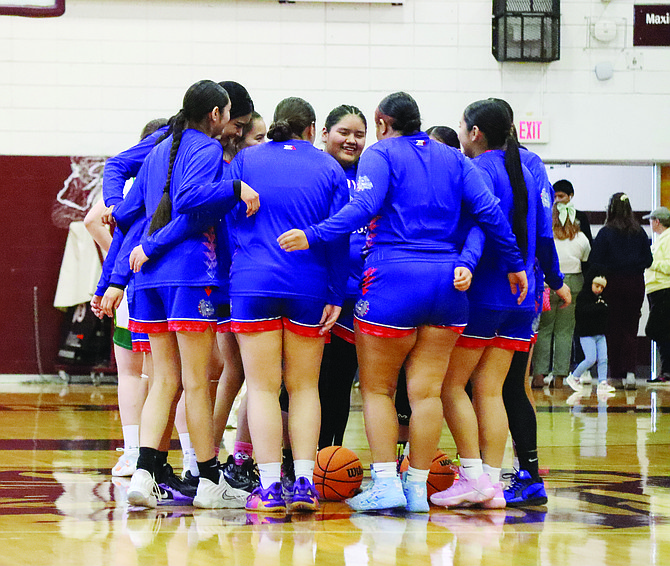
527	487
125	165
343	136
176	293
411	307
499	324
283	305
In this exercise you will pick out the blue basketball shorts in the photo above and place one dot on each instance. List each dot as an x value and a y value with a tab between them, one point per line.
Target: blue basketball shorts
300	315
510	329
175	309
399	296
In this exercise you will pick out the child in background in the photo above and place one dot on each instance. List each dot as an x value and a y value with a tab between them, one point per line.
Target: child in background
591	322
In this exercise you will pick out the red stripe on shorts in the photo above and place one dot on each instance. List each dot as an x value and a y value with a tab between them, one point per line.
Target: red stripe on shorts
300	330
148	327
142	346
383	331
190	325
344	333
256	326
514	344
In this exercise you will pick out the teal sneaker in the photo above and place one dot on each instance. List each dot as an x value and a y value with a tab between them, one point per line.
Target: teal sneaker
383	493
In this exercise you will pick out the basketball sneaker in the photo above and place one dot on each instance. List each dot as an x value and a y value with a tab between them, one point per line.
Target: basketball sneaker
574	383
268	500
465	492
189	479
220	495
287	477
525	490
143	490
177	491
304	496
127	462
604	387
498	499
241	476
382	493
416	493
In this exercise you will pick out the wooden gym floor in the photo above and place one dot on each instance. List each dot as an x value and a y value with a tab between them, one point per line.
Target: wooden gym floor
608	484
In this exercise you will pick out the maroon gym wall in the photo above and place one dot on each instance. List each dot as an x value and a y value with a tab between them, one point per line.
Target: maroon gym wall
32	250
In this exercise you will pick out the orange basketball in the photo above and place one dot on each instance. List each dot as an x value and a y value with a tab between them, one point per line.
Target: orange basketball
338	473
441	475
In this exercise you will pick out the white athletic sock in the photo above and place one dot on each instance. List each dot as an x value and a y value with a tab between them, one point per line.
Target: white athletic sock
414	474
494	473
131	436
385	469
304	469
472	468
270	473
185	442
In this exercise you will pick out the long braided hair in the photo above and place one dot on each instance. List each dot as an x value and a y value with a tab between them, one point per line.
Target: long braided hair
200	99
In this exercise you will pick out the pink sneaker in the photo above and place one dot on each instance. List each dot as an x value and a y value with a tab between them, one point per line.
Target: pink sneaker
465	492
498	499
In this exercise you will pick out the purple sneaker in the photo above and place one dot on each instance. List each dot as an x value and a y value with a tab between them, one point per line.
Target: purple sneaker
268	500
304	496
176	491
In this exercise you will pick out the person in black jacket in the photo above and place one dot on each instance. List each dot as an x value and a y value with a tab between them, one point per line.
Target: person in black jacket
622	250
591	315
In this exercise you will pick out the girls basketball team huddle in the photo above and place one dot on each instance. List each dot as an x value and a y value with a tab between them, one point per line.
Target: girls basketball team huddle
427	258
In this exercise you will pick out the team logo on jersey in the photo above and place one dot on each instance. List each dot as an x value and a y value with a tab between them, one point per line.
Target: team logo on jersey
363	183
420	143
289	147
362	307
546	198
206	308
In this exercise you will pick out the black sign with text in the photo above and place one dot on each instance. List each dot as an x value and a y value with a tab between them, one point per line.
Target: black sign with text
652	25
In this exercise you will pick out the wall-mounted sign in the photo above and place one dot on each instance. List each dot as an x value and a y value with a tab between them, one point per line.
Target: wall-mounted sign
532	131
651	25
33	8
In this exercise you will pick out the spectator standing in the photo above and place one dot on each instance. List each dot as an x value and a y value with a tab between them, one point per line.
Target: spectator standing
622	250
657	287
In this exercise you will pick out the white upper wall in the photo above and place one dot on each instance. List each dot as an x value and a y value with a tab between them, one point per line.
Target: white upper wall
85	83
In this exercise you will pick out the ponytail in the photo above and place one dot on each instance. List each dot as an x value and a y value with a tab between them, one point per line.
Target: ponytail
494	120
520	193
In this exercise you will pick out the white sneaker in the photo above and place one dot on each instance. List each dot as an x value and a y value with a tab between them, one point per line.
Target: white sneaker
574	383
218	496
605	387
585	378
143	490
630	382
127	462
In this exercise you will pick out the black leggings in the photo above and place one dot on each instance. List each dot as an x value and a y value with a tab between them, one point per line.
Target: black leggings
338	369
520	414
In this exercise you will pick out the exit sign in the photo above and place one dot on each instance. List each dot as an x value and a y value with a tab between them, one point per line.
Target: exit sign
533	131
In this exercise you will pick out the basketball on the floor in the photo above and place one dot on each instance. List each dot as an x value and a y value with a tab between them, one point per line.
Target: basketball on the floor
441	475
338	473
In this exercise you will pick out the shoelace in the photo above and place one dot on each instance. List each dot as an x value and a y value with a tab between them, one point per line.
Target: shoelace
159	492
513	478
